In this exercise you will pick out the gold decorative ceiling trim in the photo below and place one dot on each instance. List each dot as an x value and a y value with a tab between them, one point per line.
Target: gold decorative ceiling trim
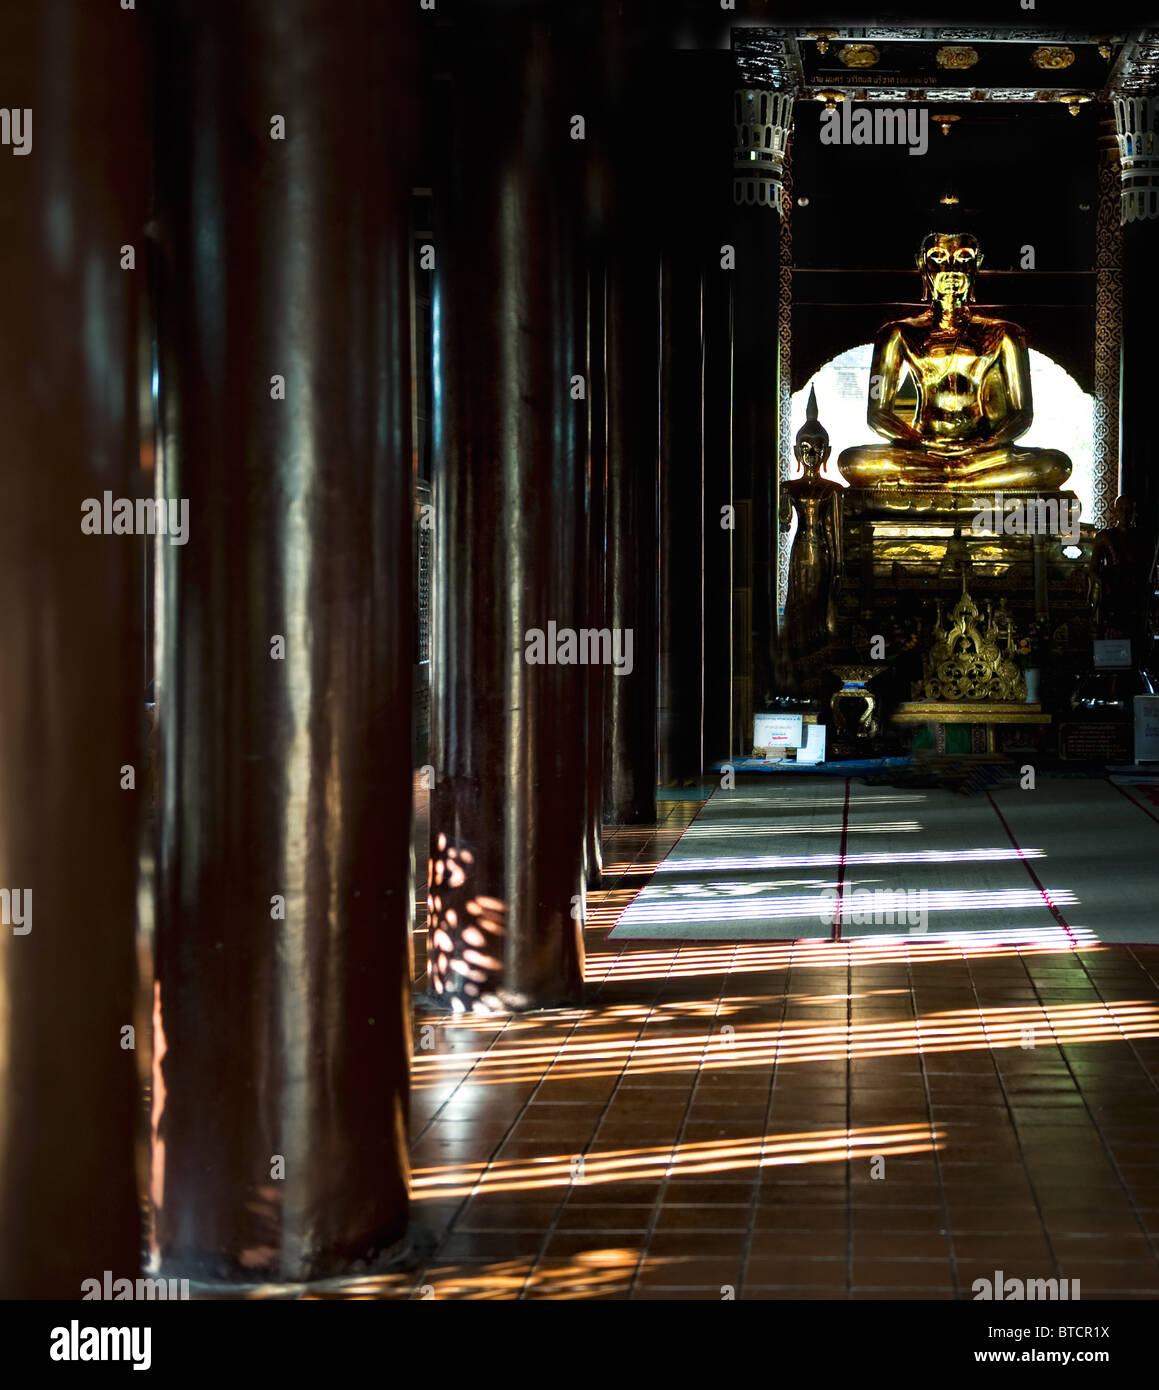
859	55
1051	59
956	58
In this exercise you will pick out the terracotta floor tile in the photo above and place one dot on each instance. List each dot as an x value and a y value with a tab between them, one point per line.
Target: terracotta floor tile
683	1244
824	1293
477	1274
903	1294
967	1217
482	1214
1046	1157
708	1294
636	1193
801	1195
889	1220
1118	1245
684	1191
576	1216
980	1183
490	1245
594	1247
900	1245
689	1271
1006	1250
812	1244
1089	1220
580	1293
1112	1274
429	1153
807	1272
801	1218
789	1114
733	1111
872	1272
476	1128
703	1218
969	1272
522	1151
1093	1295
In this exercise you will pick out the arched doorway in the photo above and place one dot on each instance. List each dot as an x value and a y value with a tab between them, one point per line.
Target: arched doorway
1063	419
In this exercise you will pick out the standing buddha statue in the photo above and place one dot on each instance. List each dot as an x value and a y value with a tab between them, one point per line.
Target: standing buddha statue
1120	568
815	563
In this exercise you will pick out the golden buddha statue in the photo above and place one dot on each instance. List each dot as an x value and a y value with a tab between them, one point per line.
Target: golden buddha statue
972	380
815	562
1119	570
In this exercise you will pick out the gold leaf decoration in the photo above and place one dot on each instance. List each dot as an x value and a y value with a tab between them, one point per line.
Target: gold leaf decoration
1051	58
956	57
859	55
971	657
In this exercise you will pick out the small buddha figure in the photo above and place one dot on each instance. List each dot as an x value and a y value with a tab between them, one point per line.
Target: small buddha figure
815	564
972	379
1119	569
955	561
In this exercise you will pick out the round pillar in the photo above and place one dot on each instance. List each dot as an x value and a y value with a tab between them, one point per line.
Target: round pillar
281	1020
508	686
632	599
74	188
681	519
597	522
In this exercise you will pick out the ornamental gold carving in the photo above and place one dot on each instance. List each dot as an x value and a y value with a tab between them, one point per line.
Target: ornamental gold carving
972	657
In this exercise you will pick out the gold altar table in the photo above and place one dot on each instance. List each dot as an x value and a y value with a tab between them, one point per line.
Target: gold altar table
988	713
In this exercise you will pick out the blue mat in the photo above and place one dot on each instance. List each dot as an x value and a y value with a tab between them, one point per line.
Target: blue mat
847	768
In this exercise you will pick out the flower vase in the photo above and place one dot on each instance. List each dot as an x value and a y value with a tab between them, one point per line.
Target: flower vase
1032	675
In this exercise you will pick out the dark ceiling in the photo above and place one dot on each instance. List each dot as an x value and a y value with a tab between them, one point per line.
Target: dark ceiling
1024	176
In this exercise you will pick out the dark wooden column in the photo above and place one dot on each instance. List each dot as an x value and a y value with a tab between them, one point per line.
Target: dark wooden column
719	550
284	671
630	84
597	456
508	735
681	518
588	94
695	454
632	529
757	429
722	554
71	700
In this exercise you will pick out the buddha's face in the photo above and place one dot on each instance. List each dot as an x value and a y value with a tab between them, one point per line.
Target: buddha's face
949	265
812	455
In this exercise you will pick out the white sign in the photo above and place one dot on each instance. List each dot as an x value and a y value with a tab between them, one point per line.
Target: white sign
1113	654
1147	728
777	730
814	749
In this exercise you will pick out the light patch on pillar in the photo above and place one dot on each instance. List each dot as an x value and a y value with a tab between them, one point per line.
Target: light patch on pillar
300	585
465	954
8	1113
265	1206
157	1183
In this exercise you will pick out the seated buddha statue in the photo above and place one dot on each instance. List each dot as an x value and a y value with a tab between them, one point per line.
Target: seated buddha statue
971	376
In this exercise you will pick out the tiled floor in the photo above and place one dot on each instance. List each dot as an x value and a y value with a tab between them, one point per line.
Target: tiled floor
823	1120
